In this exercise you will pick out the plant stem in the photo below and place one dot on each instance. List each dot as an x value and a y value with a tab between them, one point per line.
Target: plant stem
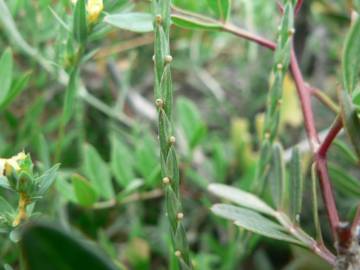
298	6
299	234
21	215
323	98
330	137
305	100
321	162
230	28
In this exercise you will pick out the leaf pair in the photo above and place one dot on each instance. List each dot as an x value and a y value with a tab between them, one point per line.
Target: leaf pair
249	215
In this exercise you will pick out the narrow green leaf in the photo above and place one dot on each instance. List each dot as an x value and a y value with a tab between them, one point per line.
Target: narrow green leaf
191	23
164	132
5	207
65	189
146	150
16	89
351	120
182	244
351	57
132	21
173	206
346	152
84	192
97	171
315	208
191	122
278	177
221	8
43	245
6	68
167	91
122	164
344	183
172	169
296	186
241	198
70	96
47	179
80	22
252	221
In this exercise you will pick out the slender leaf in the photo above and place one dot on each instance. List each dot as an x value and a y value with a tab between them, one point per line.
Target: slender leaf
70	96
187	22
47	179
132	21
351	120
296	186
97	171
252	221
6	68
122	164
344	183
351	58
84	192
242	198
16	89
278	177
221	8
80	23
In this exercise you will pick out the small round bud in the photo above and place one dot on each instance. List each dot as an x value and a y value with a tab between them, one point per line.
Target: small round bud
180	216
267	135
158	19
168	59
291	32
279	66
166	180
159	103
172	139
178	253
153	58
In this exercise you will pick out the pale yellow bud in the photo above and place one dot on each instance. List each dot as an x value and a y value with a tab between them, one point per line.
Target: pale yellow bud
11	163
93	9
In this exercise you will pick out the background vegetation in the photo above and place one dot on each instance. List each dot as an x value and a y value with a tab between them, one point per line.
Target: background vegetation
109	188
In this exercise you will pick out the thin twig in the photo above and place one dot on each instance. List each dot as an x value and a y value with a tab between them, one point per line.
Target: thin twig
324	99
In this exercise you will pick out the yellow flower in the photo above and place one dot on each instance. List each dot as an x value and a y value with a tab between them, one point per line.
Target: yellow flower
11	163
94	8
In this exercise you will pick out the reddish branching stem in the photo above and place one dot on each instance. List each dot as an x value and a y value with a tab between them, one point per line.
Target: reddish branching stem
321	162
305	100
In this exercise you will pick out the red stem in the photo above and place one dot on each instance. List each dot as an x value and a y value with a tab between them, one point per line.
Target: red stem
230	28
305	100
326	188
298	6
330	137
